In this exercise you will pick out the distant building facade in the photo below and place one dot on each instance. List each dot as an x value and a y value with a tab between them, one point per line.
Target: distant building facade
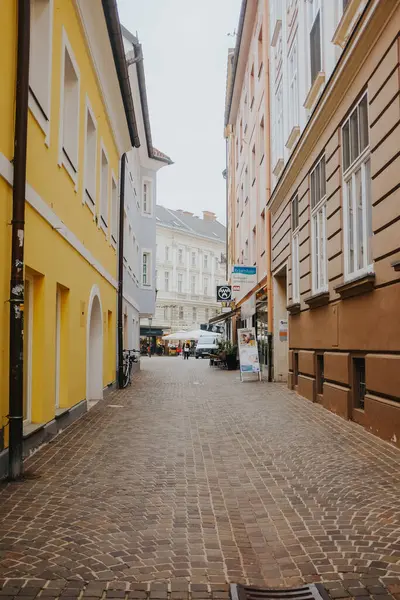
190	264
142	165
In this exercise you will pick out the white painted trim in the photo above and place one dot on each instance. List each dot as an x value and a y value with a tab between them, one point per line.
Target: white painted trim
58	347
114	180
43	209
95	291
65	45
149	181
150	252
100	213
28	359
85	200
131	301
32	103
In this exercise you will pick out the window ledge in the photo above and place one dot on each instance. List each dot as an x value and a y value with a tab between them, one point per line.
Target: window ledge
61	411
277	170
396	265
294	308
316	300
314	91
293	137
275	34
357	286
31	428
346	23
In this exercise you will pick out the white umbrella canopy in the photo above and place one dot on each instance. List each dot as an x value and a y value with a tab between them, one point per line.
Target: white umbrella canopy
178	336
196	333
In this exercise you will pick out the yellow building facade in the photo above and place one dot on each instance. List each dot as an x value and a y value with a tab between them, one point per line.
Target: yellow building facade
78	129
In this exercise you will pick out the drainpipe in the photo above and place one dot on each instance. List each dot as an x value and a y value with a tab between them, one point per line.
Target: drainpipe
268	224
16	358
121	274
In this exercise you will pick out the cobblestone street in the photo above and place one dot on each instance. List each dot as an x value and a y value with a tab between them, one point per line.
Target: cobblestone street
190	476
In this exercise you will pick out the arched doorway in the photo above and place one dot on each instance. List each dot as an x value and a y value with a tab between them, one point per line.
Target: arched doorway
94	357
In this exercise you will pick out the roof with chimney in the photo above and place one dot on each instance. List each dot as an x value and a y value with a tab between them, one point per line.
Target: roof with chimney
187	222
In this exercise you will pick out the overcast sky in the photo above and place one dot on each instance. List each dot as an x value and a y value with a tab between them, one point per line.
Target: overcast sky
185	45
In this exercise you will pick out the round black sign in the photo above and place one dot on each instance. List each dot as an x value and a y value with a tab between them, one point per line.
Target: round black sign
224	293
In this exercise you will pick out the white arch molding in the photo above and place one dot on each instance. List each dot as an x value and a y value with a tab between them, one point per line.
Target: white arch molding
94	347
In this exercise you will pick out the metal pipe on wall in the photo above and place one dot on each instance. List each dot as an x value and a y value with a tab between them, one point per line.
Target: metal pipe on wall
121	274
17	287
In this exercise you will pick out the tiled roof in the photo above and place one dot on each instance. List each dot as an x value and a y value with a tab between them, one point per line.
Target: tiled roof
180	221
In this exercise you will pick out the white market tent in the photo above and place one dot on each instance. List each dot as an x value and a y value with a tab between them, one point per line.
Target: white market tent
188	335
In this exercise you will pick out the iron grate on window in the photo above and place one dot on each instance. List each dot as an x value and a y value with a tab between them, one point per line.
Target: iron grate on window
306	592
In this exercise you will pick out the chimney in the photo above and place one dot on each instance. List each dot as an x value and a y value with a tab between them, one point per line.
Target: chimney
209	216
186	212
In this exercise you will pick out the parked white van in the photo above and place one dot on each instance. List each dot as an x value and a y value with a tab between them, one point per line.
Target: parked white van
207	344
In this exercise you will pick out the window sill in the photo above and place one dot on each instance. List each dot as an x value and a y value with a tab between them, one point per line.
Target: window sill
31	428
346	23
294	308
293	137
314	91
316	300
39	115
277	170
275	34
359	285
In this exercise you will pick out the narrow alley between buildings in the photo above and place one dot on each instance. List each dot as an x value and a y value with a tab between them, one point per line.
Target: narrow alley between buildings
188	478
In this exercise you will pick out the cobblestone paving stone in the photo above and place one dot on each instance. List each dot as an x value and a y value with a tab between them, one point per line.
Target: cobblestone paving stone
189	480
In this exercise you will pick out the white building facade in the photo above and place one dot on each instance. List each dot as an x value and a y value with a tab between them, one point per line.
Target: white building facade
142	165
190	263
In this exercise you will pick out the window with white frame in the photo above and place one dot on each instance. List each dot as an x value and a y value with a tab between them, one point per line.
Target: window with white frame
207	314
180	256
166	253
180	282
166	281
193	284
194	314
181	313
90	159
165	313
260	51
318	227
261	140
205	261
293	86
146	269
314	25
104	189
40	60
252	87
253	165
205	286
114	210
193	259
147	198
70	111
278	124
295	251
357	191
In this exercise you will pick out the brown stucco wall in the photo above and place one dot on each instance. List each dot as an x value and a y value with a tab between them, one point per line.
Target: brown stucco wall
368	324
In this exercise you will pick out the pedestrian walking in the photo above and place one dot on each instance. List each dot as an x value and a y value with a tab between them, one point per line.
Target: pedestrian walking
186	351
149	350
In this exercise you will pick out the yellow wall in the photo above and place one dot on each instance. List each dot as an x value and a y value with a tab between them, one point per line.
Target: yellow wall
48	257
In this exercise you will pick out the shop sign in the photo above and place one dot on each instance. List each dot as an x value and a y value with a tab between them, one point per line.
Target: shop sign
243	275
248	308
283	330
248	351
224	293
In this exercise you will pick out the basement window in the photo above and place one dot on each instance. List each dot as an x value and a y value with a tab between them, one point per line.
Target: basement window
359	385
320	373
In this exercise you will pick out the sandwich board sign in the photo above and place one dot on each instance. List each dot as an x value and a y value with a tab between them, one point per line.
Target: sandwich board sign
248	352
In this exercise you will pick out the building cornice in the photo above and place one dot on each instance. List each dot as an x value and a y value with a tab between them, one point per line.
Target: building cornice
357	49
